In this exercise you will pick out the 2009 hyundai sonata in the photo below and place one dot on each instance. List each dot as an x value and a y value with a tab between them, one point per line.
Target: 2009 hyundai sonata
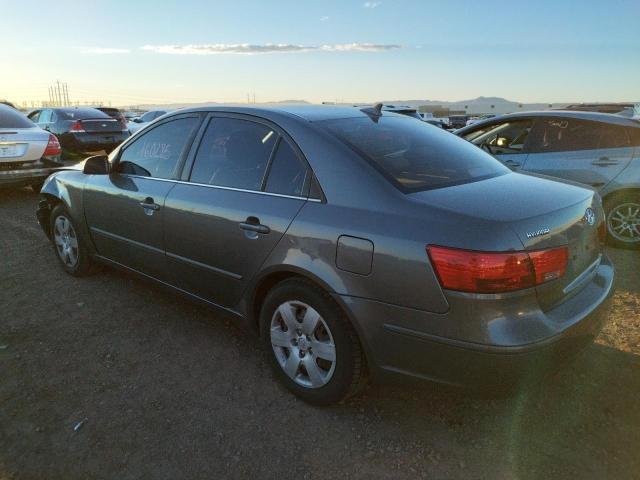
355	242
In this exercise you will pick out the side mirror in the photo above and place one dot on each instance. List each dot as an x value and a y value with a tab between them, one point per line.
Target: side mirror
96	165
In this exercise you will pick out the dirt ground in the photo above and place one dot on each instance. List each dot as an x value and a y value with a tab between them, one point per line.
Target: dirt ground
112	377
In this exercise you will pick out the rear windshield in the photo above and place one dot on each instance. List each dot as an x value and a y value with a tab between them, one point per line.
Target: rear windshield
81	114
10	118
414	155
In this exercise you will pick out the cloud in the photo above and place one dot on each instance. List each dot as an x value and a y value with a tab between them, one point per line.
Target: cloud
105	51
371	4
250	49
324	19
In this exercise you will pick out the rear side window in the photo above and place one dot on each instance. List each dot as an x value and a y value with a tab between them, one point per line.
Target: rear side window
413	155
10	118
233	153
157	153
287	174
569	134
613	136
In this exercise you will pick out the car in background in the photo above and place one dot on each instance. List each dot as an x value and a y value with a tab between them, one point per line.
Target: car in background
473	120
81	130
435	121
458	121
356	243
596	149
8	103
138	123
28	154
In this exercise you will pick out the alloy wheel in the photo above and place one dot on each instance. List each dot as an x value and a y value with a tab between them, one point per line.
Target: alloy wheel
303	344
623	222
66	241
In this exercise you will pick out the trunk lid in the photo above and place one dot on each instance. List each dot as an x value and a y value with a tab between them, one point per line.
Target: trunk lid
542	213
102	125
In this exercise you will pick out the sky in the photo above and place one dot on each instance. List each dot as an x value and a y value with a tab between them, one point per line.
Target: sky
142	52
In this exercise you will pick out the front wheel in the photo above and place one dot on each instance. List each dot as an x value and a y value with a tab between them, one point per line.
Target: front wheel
623	220
313	348
68	243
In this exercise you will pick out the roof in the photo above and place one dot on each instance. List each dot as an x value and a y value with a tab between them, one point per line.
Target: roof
580	115
311	113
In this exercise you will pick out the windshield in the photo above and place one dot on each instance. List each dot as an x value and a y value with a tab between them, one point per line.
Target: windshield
413	155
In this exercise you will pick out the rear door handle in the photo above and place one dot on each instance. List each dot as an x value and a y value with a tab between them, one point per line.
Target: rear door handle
604	161
511	163
252	224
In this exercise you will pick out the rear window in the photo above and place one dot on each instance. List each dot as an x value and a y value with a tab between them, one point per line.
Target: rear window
10	118
81	114
413	155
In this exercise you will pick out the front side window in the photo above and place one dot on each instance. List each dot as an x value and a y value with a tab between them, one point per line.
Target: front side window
502	138
287	174
413	155
233	153
157	153
45	117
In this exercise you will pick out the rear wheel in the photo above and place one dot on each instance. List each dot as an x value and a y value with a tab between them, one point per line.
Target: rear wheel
68	243
313	348
623	220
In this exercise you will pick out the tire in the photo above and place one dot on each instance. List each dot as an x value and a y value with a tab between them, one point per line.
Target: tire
320	325
68	244
623	220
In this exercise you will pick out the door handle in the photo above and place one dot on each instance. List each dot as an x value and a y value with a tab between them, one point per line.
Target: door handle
252	224
511	163
604	161
149	205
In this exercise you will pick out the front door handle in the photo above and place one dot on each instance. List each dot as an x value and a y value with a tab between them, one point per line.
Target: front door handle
604	162
511	163
252	224
149	206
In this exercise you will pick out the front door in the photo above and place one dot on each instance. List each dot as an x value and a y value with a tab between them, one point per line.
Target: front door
507	141
224	221
125	209
592	153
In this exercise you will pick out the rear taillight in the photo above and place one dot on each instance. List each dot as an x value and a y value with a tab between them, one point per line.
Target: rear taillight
77	127
495	272
53	147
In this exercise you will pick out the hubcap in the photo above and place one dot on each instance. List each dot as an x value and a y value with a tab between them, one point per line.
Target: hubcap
66	241
624	222
303	344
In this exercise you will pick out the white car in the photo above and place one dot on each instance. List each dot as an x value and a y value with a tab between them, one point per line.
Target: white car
28	154
137	123
473	120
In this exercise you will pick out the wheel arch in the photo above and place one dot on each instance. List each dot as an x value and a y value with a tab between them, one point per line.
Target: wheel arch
273	276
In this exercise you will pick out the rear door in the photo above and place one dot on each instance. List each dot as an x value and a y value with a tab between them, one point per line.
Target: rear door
592	153
507	141
245	184
125	209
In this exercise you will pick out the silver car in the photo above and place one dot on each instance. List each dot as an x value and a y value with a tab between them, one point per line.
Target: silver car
28	154
356	243
596	149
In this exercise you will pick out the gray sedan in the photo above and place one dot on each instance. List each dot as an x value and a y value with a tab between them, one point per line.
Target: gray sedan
357	243
596	149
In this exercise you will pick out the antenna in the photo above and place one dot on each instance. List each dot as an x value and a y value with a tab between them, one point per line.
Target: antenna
374	112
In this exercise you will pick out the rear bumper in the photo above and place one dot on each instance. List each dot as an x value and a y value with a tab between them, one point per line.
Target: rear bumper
400	340
89	142
20	176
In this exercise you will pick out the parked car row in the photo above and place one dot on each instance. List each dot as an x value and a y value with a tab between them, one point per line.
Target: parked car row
357	242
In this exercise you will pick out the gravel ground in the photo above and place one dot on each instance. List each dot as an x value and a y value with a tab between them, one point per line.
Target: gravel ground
112	377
